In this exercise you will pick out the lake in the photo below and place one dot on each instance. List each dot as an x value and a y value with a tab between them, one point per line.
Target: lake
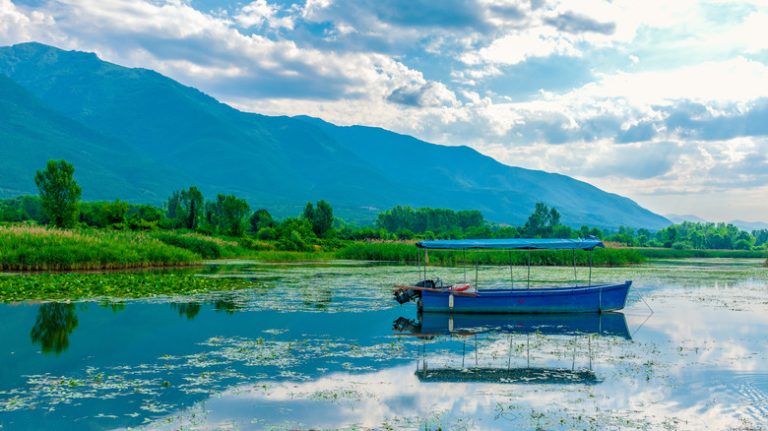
326	347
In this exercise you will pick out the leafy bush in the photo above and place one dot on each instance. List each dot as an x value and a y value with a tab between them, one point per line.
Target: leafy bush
293	242
267	234
206	249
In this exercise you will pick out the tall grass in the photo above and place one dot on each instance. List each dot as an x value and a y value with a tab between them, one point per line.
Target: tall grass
408	253
669	253
205	248
294	256
33	248
211	247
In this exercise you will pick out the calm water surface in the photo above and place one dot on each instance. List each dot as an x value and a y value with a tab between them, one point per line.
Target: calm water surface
325	347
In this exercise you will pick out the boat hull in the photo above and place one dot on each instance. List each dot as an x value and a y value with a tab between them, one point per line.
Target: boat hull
586	299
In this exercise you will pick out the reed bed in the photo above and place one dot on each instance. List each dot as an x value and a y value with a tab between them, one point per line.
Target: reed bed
669	253
35	248
408	253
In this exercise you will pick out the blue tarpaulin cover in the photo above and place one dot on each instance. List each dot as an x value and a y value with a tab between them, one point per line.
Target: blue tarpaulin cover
514	243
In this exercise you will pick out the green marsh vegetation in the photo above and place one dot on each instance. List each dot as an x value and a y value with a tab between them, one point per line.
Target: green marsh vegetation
670	253
35	248
408	253
188	229
120	285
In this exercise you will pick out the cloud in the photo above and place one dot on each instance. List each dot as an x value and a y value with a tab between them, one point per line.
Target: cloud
259	13
208	51
581	87
643	131
423	94
697	121
574	23
516	48
18	25
636	161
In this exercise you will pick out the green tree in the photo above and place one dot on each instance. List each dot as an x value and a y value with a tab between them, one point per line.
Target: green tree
228	214
544	222
260	219
320	217
114	213
192	207
184	208
144	217
323	221
59	193
309	212
444	223
173	209
295	234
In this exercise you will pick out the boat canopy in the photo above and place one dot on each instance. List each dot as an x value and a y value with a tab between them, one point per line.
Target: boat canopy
513	243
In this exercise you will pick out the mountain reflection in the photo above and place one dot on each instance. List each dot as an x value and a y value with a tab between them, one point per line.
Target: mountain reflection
55	322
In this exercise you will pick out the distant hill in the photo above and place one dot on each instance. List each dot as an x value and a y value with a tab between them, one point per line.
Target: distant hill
750	225
172	136
679	218
31	134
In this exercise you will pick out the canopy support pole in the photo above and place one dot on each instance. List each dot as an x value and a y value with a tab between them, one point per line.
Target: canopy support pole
418	261
590	268
529	269
511	273
476	284
464	264
573	257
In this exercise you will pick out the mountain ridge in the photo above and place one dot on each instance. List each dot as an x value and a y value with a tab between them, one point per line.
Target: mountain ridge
282	162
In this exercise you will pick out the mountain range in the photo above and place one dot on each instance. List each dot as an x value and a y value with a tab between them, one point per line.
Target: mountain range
137	135
748	226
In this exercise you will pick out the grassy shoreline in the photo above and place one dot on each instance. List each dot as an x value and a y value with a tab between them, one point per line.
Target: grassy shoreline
25	248
407	253
33	248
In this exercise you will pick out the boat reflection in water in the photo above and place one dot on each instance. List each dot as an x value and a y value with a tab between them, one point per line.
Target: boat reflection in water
551	333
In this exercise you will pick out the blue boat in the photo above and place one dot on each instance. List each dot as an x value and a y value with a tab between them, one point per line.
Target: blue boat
434	296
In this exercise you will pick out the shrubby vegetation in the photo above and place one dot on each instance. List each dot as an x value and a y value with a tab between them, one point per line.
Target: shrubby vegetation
188	227
698	236
35	248
401	252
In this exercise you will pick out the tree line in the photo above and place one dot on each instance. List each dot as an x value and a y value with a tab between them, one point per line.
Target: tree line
59	204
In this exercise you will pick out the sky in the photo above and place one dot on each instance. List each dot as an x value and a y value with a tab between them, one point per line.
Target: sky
665	102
